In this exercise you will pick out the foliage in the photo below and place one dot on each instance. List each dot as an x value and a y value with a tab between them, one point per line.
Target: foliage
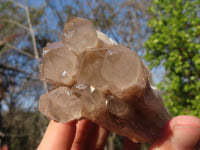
23	130
175	44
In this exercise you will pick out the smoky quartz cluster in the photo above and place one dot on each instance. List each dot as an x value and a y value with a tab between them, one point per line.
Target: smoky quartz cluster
97	79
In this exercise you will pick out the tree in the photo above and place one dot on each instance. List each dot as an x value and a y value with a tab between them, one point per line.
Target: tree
175	44
19	61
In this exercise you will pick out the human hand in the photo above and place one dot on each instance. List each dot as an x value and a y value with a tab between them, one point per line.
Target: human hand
180	133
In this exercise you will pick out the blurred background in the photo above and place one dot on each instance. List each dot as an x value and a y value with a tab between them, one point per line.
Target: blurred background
166	34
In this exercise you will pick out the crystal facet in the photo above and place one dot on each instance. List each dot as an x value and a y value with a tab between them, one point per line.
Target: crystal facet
97	79
116	69
80	34
59	65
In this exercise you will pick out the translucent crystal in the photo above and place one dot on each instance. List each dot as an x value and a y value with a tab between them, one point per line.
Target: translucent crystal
59	65
97	79
60	105
116	69
80	34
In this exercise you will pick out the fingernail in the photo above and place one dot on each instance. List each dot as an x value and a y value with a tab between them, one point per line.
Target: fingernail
185	137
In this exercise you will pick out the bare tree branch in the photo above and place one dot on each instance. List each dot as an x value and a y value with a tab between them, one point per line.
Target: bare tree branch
41	22
8	67
32	32
17	3
4	66
32	35
19	50
34	42
61	22
10	37
16	23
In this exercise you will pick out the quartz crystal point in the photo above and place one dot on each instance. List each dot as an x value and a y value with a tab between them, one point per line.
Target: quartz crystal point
116	69
97	79
59	65
80	34
62	110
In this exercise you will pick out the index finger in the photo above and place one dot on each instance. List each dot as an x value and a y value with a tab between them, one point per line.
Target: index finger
58	136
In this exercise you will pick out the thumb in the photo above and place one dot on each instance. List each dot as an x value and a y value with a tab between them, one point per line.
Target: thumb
180	133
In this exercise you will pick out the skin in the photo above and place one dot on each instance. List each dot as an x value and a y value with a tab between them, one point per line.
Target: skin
179	133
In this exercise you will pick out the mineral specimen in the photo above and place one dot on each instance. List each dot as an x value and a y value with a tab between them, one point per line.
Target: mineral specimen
97	79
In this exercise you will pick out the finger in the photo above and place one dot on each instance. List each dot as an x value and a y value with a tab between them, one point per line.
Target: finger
85	129
99	138
181	133
129	145
58	136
